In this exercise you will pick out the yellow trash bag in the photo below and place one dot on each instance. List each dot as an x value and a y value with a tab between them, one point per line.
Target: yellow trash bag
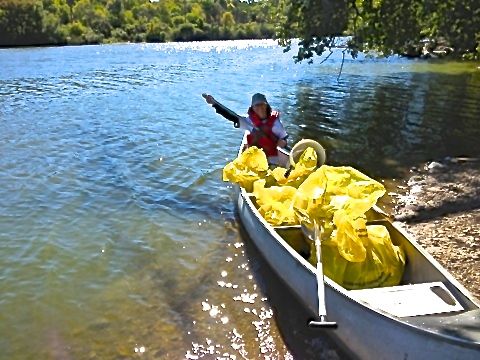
351	224
306	164
354	255
351	235
247	168
341	181
274	176
383	265
331	188
275	203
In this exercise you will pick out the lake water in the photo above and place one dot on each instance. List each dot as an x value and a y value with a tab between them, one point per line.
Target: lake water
118	237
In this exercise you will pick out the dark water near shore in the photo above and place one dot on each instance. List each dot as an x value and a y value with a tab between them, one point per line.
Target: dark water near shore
118	236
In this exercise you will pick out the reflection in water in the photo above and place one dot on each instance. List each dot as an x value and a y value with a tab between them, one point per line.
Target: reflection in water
385	126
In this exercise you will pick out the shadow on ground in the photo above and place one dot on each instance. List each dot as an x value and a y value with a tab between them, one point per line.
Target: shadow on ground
447	188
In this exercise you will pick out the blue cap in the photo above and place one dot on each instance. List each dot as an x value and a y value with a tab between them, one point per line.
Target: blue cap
259	99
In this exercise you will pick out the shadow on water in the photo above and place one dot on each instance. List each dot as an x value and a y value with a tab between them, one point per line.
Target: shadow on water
386	125
304	343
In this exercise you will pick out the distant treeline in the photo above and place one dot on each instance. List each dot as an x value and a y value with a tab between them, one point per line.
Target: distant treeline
414	28
44	22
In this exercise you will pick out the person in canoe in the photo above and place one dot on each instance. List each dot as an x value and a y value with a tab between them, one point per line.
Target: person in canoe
263	123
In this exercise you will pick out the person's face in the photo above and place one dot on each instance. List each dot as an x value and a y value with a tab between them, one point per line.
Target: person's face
260	110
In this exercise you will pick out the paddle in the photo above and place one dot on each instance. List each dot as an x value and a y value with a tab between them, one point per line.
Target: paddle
322	310
223	110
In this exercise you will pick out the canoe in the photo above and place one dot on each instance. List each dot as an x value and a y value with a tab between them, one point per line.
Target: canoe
429	315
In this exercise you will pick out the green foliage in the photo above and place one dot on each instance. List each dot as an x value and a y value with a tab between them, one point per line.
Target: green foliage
36	22
196	15
189	32
119	35
407	27
21	22
156	31
228	19
74	33
178	20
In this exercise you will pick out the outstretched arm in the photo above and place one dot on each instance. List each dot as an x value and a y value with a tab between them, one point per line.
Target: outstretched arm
282	143
280	133
222	110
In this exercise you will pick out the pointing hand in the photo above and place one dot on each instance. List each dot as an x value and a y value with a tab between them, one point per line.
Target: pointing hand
209	98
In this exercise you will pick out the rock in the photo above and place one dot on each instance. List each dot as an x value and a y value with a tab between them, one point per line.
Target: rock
416	179
433	166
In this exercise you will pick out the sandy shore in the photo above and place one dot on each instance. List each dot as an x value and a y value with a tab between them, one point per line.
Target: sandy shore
442	210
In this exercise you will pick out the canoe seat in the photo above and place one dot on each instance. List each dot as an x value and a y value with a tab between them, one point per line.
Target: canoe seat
410	300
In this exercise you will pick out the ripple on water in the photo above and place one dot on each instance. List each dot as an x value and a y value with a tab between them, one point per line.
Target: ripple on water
239	325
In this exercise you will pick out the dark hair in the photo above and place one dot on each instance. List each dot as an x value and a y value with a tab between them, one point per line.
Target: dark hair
269	110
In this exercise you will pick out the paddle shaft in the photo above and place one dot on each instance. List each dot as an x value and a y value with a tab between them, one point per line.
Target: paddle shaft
322	321
223	110
322	311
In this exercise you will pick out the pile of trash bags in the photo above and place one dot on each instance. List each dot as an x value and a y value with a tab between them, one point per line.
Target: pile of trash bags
354	254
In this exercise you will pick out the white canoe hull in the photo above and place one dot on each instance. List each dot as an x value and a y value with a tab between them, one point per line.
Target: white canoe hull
367	333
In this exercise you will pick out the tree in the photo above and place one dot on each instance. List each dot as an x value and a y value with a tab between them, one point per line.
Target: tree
156	32
34	22
213	11
21	22
70	4
58	9
408	27
227	19
196	15
115	9
93	16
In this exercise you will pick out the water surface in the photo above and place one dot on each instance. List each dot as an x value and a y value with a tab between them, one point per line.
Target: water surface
118	236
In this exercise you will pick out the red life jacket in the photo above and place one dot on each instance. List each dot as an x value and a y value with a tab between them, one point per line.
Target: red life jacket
262	134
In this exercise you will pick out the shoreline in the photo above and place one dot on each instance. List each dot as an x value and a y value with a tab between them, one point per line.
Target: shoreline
3	47
126	42
449	57
441	208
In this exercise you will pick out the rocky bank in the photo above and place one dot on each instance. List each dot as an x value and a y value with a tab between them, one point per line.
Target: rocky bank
441	208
